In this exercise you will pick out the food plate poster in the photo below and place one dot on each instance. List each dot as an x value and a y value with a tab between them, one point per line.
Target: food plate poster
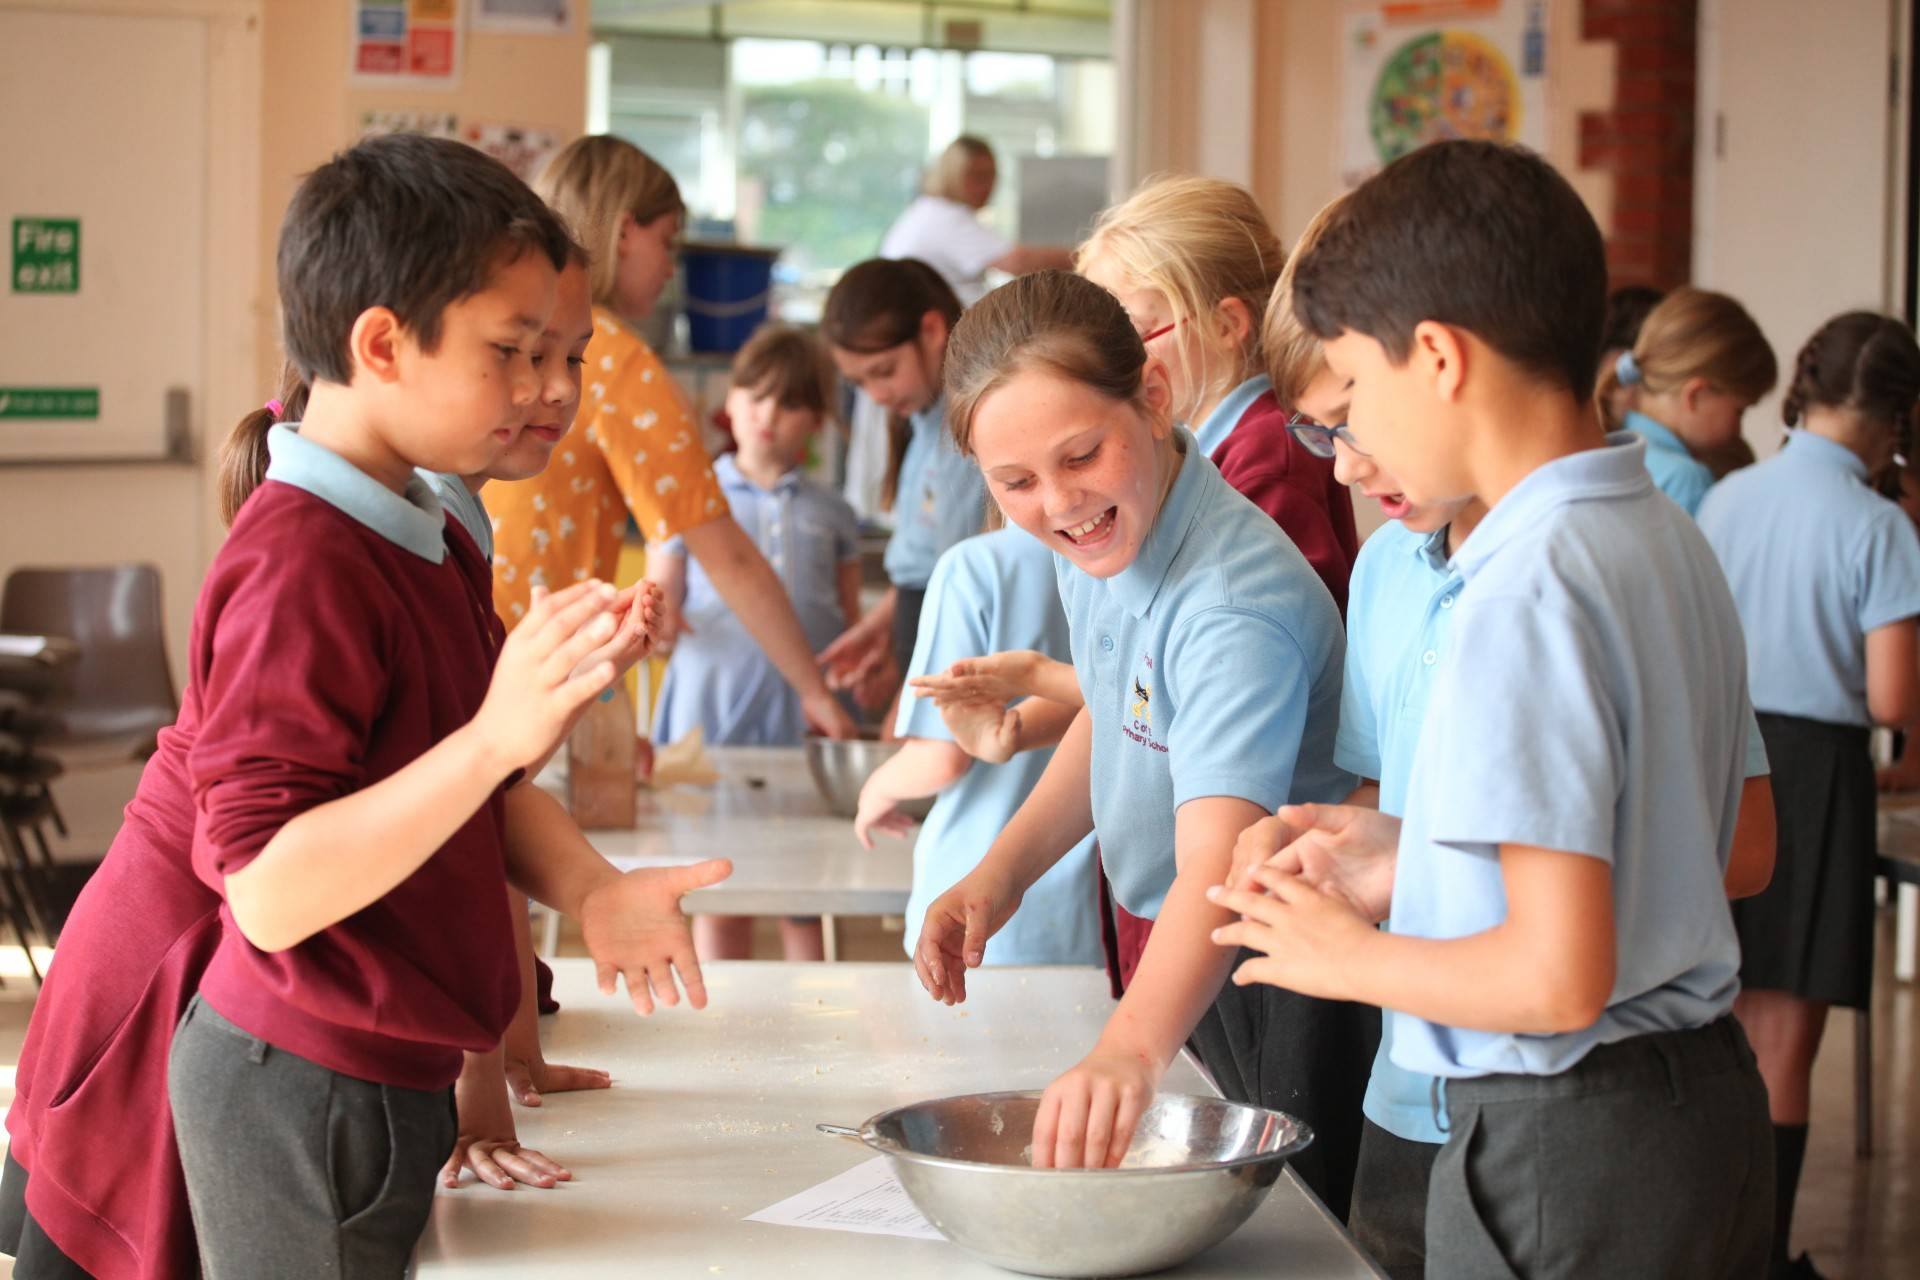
412	44
1417	71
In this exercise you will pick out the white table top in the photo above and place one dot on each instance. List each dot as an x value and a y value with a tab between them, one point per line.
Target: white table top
711	1118
790	856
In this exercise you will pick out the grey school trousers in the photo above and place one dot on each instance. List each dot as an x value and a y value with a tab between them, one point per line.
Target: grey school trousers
1649	1158
295	1170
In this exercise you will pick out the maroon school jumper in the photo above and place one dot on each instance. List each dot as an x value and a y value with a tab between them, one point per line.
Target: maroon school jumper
1268	467
90	1120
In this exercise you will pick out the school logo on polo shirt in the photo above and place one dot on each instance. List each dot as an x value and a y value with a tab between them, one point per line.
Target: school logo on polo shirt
1141	729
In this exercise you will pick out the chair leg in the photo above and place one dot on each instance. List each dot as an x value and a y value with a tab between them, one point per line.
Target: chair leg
1863	1083
18	901
13	852
43	875
53	808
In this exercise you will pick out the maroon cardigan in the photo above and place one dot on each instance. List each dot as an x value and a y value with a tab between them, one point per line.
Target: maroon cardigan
90	1120
1264	463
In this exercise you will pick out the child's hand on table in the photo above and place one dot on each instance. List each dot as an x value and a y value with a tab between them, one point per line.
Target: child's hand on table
953	936
1087	1116
538	685
531	1076
633	927
1308	935
1345	849
487	1143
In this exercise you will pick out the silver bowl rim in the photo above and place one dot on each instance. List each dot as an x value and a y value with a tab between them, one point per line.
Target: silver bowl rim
1303	1138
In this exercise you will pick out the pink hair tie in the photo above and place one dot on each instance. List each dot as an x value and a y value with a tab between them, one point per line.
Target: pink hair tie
275	408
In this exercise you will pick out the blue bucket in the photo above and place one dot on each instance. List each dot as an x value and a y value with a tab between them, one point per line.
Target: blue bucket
728	289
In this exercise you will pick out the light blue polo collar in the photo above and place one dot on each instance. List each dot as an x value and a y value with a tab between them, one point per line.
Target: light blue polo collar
1432	551
1136	586
416	522
1810	446
727	471
1226	415
1658	434
1617	471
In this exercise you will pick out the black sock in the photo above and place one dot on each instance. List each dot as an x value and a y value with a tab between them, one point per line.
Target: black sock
1789	1150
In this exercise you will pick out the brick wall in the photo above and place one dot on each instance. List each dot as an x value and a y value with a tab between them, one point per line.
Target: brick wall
1646	140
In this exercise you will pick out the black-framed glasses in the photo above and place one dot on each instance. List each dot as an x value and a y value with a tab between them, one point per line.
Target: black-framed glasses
1318	440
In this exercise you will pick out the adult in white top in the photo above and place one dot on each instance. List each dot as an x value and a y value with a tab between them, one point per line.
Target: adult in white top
943	229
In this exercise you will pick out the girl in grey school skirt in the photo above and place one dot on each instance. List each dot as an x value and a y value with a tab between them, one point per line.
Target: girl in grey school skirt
1826	574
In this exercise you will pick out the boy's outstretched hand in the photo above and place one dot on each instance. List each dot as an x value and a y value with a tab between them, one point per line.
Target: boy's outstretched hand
633	927
1308	935
1345	849
538	684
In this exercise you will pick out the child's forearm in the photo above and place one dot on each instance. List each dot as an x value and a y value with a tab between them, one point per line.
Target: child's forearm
744	579
343	856
1548	968
548	856
1057	681
848	583
522	1040
922	767
1057	815
1043	722
1181	971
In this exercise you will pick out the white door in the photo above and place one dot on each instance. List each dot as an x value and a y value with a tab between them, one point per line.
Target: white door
101	340
1792	169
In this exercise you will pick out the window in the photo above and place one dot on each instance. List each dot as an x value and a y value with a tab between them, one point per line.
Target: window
816	144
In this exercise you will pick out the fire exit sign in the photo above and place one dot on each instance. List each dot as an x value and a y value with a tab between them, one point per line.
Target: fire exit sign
46	255
49	402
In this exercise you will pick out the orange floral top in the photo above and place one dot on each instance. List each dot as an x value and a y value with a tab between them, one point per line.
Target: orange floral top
634	448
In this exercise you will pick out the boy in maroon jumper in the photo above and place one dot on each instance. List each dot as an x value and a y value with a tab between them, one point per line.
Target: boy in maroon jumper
145	928
350	753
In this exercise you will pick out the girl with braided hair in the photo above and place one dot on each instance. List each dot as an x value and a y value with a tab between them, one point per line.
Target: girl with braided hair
1826	575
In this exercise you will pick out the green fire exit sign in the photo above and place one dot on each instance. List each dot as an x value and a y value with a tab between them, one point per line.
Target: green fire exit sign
49	402
46	255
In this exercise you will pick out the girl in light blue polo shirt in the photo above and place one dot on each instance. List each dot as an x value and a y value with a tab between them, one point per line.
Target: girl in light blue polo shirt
887	322
1826	575
720	680
989	594
1699	363
1209	655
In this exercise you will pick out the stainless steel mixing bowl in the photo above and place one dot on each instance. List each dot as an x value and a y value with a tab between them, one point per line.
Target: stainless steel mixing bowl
1204	1166
841	766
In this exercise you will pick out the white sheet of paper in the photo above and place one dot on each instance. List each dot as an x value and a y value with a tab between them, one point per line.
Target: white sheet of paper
866	1198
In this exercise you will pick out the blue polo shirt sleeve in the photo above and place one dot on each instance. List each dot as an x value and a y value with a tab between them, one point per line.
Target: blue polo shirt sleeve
1356	747
1541	767
1241	685
1888	569
953	625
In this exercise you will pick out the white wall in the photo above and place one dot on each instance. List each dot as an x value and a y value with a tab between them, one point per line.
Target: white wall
1793	168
